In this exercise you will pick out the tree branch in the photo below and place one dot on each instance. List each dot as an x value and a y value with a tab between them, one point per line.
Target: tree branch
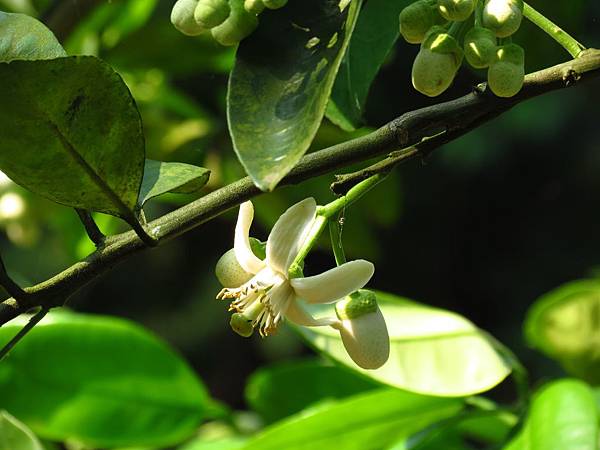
445	121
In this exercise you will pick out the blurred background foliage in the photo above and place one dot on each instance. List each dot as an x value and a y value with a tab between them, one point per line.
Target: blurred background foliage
483	227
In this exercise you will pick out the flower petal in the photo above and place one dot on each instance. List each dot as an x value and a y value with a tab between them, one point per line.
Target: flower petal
288	234
243	252
297	314
334	284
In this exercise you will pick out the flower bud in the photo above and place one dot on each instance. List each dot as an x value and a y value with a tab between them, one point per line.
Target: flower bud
456	10
363	329
480	47
254	6
275	4
503	17
415	21
182	17
437	62
228	270
239	24
506	73
210	13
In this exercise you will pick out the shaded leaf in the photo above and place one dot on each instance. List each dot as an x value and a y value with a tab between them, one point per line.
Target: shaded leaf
281	82
374	36
16	436
100	381
162	177
23	37
80	142
432	351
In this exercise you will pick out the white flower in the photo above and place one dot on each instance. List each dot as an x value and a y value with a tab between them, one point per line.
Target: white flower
270	295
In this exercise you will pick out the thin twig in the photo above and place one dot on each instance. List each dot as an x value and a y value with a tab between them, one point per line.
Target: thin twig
22	332
91	228
9	285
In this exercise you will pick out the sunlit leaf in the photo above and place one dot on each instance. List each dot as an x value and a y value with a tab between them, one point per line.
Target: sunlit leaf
14	435
280	84
433	351
162	177
70	131
375	419
100	381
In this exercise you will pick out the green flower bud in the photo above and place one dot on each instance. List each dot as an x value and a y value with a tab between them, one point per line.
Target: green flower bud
254	6
229	272
480	47
182	17
503	17
210	13
456	10
239	24
363	329
415	21
436	64
506	73
275	4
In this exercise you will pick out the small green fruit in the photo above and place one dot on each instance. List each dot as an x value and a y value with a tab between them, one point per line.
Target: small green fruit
274	4
239	24
480	47
211	13
503	17
182	17
456	10
415	21
507	72
254	6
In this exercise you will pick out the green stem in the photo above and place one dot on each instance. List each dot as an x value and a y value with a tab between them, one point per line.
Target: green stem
335	233
479	14
568	42
22	332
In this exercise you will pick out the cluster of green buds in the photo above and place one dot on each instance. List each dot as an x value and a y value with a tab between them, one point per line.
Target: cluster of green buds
479	30
229	21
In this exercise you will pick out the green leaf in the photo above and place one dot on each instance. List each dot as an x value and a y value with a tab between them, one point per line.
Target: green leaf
281	82
100	381
227	443
374	36
283	389
70	131
374	420
162	177
562	416
23	37
16	436
432	351
565	325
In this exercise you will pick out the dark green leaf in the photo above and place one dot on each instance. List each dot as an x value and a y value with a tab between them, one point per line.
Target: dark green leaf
562	416
100	381
433	351
281	82
16	436
70	131
371	420
565	325
162	177
283	389
374	36
23	37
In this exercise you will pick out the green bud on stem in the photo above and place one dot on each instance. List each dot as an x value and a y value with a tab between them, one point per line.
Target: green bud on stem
211	13
254	6
239	24
416	20
480	47
507	72
503	17
182	17
456	10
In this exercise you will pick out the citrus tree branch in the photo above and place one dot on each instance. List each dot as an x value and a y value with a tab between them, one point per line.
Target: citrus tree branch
419	132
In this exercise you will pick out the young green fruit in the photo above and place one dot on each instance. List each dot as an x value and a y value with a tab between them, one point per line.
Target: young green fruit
182	17
239	24
415	21
436	63
254	6
274	4
480	47
456	10
503	17
210	13
507	72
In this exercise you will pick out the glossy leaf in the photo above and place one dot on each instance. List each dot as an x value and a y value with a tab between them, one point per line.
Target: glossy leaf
432	351
70	131
374	36
99	381
375	419
23	37
283	389
562	416
162	177
281	82
14	435
565	325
